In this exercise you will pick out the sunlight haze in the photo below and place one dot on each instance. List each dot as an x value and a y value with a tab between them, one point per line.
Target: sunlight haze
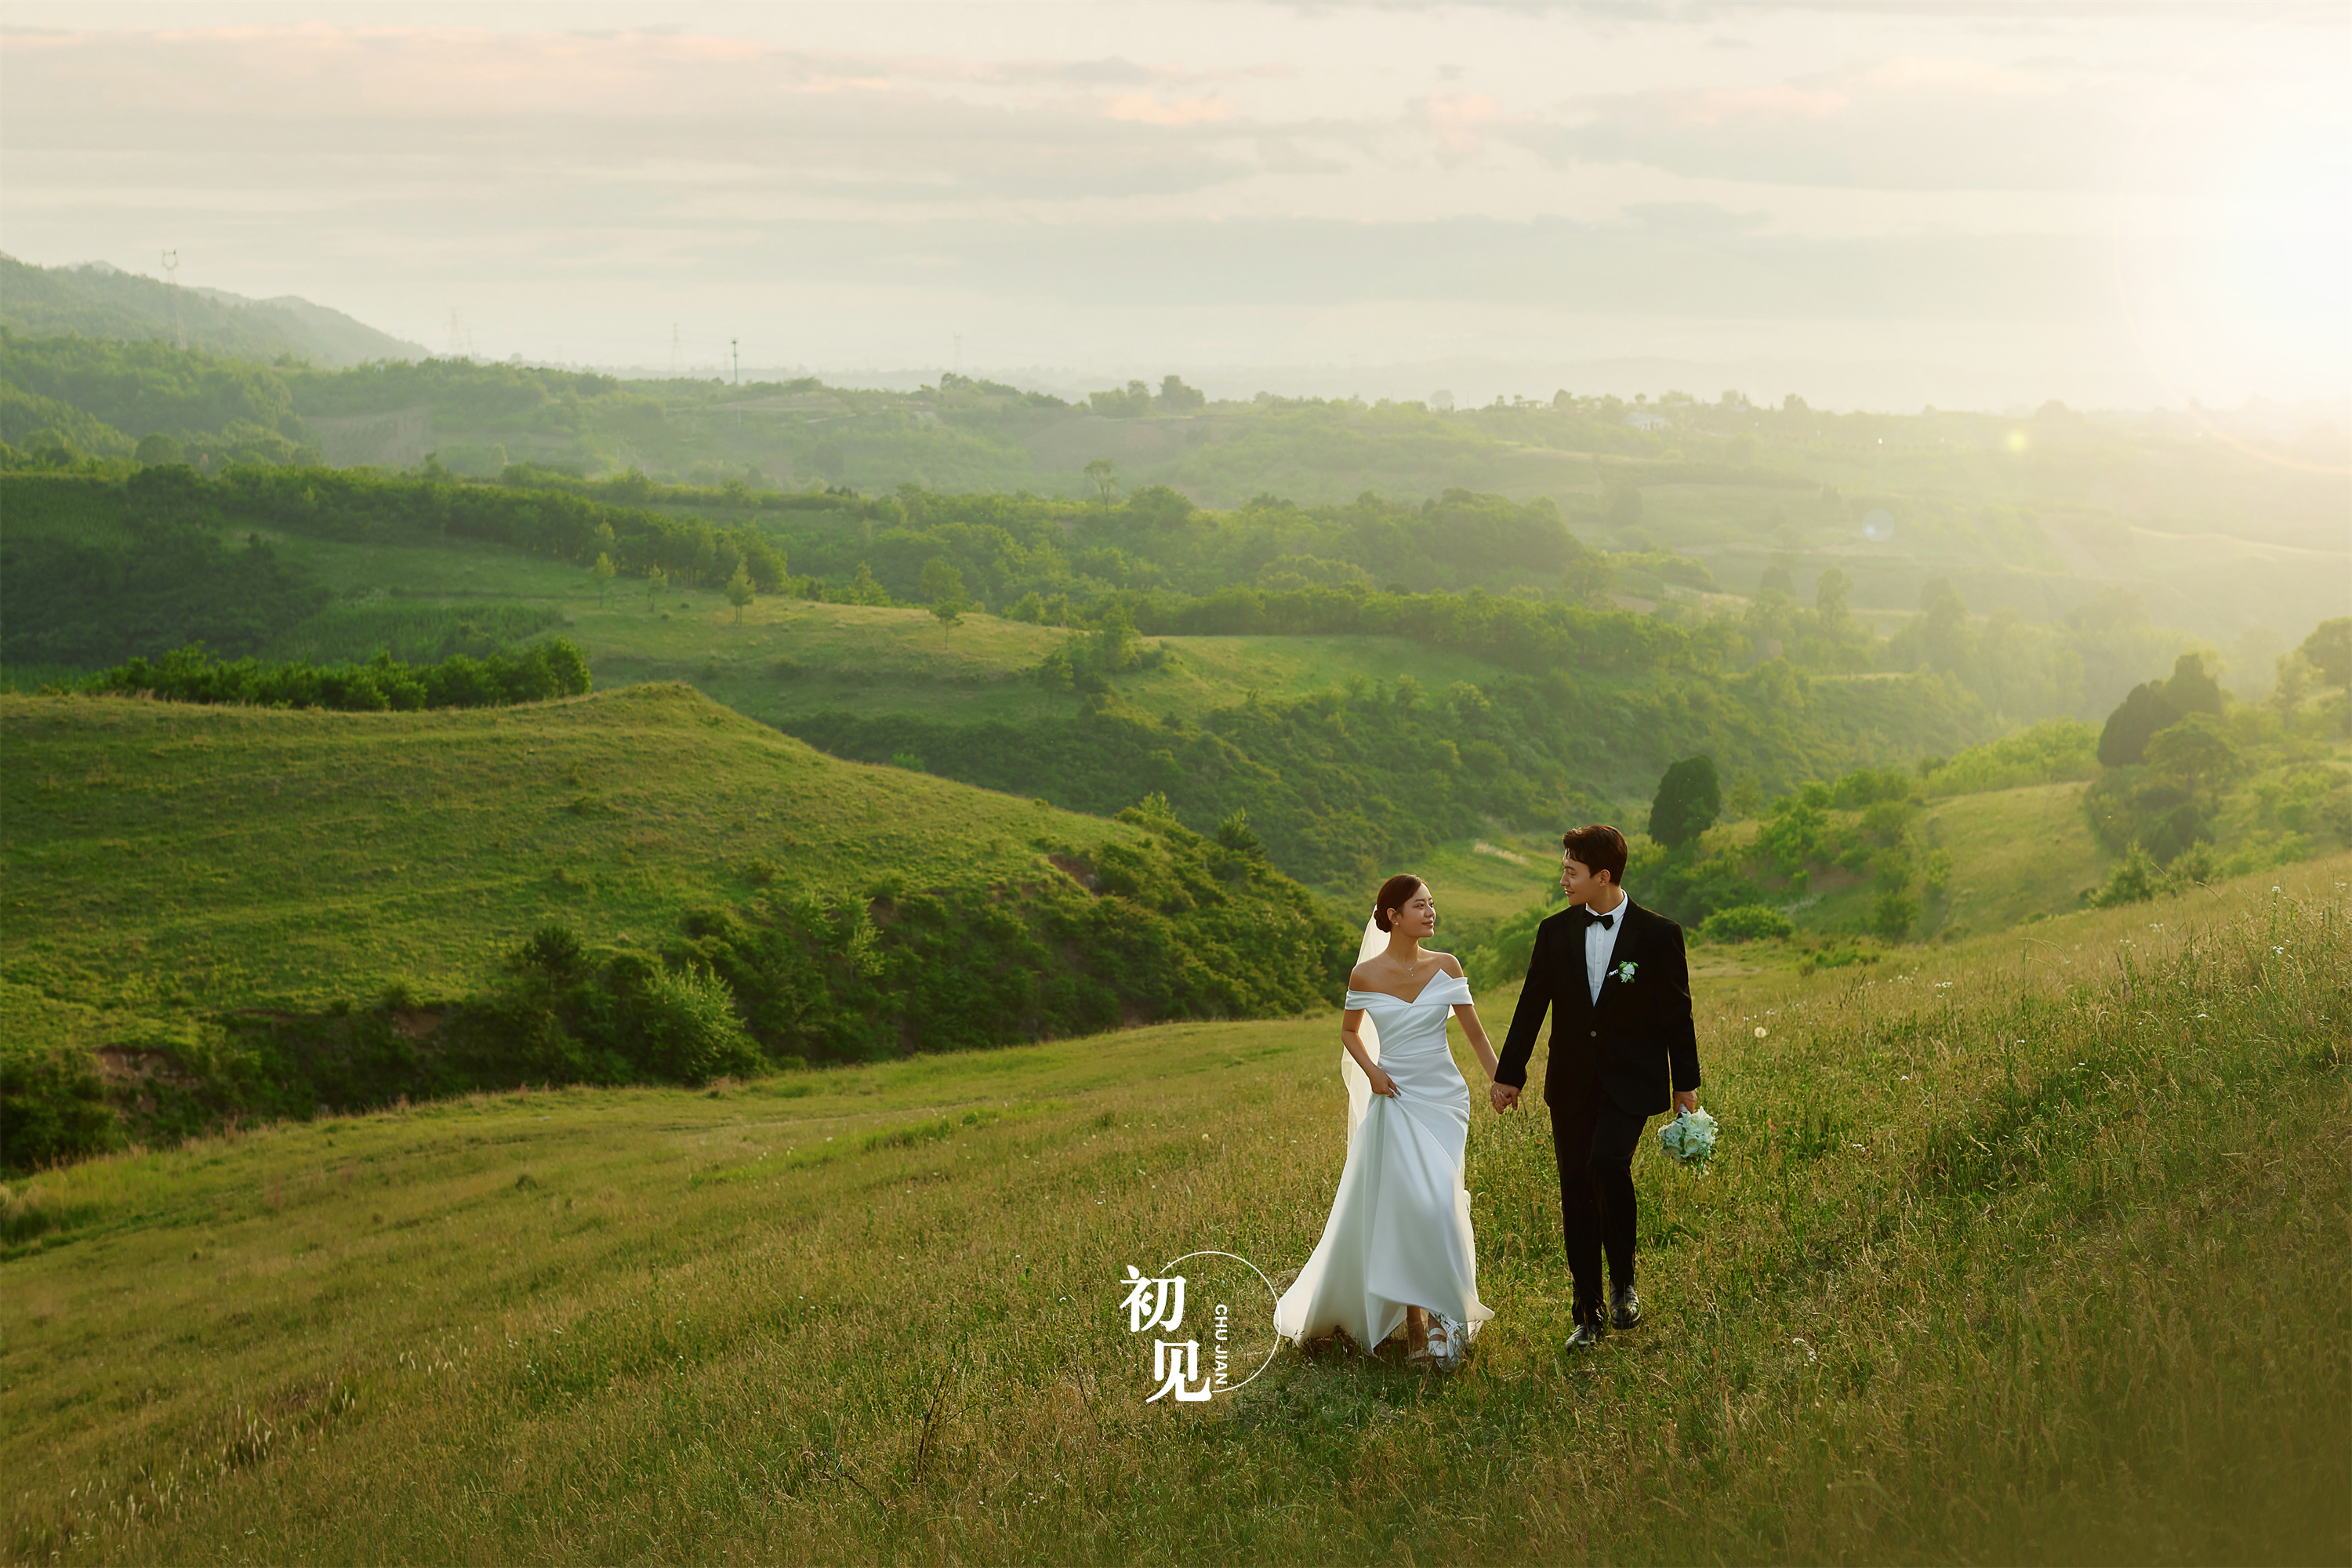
1978	206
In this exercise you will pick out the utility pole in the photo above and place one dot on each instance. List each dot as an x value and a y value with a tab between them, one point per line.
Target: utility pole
734	355
172	271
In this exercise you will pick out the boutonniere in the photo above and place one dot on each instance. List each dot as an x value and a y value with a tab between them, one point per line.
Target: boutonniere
1626	973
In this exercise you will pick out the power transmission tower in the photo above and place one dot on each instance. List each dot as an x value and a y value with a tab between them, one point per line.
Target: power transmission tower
457	335
172	271
735	355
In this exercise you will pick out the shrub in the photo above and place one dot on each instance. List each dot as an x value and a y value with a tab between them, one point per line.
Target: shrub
1748	922
1891	916
2135	880
52	1108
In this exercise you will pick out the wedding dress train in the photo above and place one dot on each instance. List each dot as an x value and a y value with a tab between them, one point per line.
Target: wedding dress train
1399	1235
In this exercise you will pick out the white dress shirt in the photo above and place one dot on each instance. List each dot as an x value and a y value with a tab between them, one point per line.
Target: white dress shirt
1600	941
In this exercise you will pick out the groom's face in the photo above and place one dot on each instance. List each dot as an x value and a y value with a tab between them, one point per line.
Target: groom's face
1580	882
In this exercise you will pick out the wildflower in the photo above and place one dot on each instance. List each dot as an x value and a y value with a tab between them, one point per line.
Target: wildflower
1760	1031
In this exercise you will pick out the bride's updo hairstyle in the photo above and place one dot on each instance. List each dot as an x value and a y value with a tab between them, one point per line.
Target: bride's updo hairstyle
1394	894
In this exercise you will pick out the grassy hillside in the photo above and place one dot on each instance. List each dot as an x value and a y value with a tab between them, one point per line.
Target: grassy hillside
230	857
2020	1252
103	301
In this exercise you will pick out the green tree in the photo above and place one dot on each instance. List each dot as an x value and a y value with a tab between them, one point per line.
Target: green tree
1892	915
1829	597
2192	689
603	574
656	581
1951	643
2196	753
1175	397
1689	799
940	580
2329	651
2141	713
942	586
1104	474
739	591
156	449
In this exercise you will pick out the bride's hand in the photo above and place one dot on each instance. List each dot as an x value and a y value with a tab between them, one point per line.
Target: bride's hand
1382	1083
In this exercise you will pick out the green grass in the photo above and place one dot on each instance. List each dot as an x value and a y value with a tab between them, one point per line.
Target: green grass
2022	1252
163	856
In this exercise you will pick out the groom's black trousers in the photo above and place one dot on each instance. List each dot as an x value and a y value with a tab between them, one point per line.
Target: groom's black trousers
1594	1141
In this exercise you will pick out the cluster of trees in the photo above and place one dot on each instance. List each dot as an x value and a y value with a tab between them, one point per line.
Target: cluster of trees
355	503
86	580
1136	399
64	398
1859	823
541	671
2172	750
1009	546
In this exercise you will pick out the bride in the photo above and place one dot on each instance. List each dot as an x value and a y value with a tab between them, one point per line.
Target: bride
1398	1245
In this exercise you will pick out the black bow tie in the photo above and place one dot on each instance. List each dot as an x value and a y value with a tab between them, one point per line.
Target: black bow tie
1605	922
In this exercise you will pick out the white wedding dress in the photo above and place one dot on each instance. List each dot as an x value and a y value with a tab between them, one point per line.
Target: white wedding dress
1399	1235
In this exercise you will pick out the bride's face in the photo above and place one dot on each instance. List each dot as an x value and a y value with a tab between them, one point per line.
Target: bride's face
1418	919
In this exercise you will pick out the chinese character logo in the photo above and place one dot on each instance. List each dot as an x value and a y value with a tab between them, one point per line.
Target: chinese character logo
1155	1304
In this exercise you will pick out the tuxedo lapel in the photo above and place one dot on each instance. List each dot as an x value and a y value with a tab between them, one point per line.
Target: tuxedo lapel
1630	923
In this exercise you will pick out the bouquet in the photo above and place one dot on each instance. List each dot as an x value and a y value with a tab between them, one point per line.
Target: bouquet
1688	1137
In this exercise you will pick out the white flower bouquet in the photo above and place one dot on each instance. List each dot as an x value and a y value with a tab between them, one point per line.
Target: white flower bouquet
1688	1137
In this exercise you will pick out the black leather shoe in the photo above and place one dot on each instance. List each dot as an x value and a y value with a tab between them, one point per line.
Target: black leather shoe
1625	1308
1586	1337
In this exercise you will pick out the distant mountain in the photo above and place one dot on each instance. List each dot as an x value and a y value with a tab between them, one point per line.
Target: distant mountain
98	301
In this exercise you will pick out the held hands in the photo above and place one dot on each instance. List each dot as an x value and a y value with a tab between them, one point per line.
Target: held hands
1502	1097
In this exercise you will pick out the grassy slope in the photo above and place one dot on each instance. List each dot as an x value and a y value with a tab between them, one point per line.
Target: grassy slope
2019	1254
172	855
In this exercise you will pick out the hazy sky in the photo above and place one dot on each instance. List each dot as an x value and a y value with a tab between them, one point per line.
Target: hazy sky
1885	202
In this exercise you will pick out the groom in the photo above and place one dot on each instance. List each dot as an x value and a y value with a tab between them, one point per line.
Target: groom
1615	978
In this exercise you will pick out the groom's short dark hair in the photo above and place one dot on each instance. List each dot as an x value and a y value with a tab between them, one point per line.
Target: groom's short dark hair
1599	847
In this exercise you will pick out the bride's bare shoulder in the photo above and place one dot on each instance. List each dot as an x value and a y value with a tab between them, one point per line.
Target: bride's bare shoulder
1361	977
1449	963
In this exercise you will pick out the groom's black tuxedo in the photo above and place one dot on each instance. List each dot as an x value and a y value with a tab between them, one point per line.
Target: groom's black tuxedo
1615	1061
1636	1045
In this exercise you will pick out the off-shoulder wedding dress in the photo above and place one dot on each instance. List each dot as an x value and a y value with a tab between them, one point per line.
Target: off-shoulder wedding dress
1399	1235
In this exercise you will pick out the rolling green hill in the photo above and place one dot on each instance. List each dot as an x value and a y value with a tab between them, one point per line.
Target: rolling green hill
173	870
2019	1251
103	301
299	857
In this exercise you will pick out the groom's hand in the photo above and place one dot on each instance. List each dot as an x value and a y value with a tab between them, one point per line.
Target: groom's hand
1686	1101
1502	1096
